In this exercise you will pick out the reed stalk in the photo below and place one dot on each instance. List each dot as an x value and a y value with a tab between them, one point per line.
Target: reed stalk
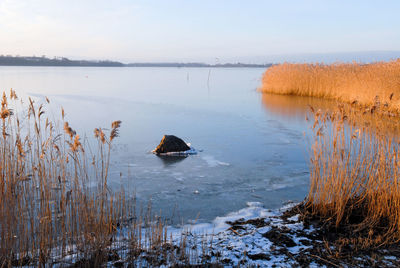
47	210
354	177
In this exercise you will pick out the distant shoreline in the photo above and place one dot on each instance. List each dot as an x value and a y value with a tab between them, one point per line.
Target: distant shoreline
65	62
199	65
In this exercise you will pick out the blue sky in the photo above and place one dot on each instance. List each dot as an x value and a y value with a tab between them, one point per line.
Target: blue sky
173	30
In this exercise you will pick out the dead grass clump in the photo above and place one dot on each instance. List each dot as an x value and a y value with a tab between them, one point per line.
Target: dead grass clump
355	188
369	85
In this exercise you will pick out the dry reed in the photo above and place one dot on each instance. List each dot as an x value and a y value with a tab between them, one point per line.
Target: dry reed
371	85
48	213
355	178
45	206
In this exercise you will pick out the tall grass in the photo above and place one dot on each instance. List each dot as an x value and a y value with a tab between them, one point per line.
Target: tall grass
355	179
45	204
371	85
48	212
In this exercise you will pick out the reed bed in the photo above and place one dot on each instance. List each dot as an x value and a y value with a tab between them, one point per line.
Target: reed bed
46	207
369	85
49	214
354	179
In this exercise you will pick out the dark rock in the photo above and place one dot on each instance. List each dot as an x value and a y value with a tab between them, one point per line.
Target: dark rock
171	143
258	222
279	238
259	256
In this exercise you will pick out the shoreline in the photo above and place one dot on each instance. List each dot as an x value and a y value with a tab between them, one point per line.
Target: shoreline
65	62
252	236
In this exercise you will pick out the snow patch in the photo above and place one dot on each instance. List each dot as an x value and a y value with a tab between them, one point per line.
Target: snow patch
212	162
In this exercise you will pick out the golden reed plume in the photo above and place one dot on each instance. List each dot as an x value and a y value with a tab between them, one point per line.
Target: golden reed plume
369	85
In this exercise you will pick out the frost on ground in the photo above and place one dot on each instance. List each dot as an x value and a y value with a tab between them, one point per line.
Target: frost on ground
251	237
255	236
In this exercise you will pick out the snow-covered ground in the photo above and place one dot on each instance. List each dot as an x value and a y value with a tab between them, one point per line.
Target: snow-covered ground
245	237
251	237
242	237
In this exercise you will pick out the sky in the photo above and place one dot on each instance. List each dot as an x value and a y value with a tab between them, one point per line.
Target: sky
209	31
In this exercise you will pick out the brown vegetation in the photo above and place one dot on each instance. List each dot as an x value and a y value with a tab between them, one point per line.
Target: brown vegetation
48	213
45	205
355	187
369	85
354	196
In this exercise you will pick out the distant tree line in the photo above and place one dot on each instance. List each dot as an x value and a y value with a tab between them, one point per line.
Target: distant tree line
43	61
9	60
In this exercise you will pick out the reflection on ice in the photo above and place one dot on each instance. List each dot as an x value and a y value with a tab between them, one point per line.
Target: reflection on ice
171	159
294	107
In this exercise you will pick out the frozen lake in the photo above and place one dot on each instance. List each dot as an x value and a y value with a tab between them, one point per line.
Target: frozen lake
253	147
